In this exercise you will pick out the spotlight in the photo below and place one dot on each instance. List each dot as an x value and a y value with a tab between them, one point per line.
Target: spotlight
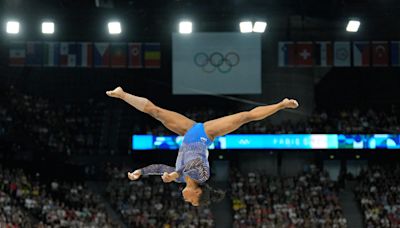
47	27
259	26
185	27
12	27
246	27
114	27
353	26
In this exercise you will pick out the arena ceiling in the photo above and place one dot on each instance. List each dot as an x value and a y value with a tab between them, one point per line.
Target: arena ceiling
222	15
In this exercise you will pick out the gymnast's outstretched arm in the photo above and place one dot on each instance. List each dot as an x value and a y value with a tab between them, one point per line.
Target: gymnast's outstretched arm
166	172
173	121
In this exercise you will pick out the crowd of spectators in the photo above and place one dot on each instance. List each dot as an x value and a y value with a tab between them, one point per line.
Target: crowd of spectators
76	128
347	121
309	199
378	195
58	128
148	202
50	204
11	214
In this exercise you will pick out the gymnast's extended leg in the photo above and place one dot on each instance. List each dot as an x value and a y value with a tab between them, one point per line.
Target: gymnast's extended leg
228	124
173	121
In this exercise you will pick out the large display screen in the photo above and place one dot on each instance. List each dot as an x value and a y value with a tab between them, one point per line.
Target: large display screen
203	62
277	141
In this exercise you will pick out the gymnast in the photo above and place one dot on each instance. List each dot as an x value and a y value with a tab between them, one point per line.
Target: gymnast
192	165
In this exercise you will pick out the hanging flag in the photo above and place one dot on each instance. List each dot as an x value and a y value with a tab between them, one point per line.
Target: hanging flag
101	55
342	54
380	53
361	53
323	53
68	54
286	54
34	53
135	55
118	55
84	54
51	54
152	55
304	54
17	54
395	53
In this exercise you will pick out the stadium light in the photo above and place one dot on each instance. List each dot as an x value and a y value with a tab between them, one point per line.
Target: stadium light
353	25
185	27
47	27
114	27
246	27
12	27
259	26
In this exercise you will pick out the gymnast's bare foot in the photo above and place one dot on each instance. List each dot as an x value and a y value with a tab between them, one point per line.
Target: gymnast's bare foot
289	103
117	92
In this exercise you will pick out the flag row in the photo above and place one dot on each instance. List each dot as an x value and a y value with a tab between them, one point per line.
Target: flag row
85	54
339	54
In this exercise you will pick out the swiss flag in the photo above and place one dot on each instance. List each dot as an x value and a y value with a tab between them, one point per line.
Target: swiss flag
304	54
380	54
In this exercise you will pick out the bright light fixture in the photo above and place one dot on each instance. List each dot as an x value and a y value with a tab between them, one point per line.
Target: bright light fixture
12	27
259	26
353	26
114	27
47	27
246	27
185	27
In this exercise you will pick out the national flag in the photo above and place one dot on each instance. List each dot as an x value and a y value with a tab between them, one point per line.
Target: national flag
286	54
152	55
323	53
101	55
118	55
84	54
395	53
68	54
341	54
51	54
135	55
304	54
34	53
17	54
380	53
361	53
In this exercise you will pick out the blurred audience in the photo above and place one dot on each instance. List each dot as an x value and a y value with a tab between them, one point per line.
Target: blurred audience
379	197
148	202
307	200
351	121
59	128
53	204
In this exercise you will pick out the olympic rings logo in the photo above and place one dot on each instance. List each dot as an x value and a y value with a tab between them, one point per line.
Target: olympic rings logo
216	61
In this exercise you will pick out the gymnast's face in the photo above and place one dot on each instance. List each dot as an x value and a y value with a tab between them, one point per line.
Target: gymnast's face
192	195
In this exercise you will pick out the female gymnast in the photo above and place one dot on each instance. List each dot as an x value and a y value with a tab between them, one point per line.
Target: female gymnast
192	165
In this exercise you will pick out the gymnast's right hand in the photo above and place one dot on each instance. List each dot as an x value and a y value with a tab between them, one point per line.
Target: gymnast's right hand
134	175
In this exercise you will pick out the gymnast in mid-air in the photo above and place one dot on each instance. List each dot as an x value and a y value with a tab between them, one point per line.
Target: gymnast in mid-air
192	165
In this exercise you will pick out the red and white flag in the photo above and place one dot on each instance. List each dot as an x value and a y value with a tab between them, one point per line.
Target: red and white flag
380	53
304	54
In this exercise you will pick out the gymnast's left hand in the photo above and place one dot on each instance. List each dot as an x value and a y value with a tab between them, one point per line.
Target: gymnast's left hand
169	177
134	175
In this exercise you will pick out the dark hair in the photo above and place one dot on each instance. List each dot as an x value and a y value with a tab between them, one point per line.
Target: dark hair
210	195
